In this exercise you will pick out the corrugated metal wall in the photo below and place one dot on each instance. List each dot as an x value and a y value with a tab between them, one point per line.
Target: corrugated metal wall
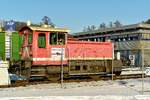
127	45
127	48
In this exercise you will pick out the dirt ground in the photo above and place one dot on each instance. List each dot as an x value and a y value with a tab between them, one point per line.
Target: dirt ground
130	89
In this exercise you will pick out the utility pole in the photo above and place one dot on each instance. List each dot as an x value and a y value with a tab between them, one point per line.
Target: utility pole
112	78
62	67
142	51
112	70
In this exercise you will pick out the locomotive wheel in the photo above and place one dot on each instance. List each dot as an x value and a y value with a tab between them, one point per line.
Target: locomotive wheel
94	77
118	73
28	72
53	78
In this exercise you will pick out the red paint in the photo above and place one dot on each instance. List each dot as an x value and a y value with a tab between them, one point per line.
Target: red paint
90	50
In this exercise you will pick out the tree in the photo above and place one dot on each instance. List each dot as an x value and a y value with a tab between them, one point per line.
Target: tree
93	27
102	26
147	22
84	29
110	24
47	21
19	25
88	28
117	23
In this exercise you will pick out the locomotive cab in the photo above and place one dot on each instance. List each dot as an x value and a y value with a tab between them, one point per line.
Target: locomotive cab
42	48
41	39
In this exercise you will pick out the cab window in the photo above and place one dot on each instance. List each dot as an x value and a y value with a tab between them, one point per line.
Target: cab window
53	38
41	40
30	38
57	38
22	39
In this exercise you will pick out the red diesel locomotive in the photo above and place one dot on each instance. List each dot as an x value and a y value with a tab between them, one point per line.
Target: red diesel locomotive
45	49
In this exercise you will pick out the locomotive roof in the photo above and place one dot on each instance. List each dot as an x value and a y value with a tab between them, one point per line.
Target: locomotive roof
35	28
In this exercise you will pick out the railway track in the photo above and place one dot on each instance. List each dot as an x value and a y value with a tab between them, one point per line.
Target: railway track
129	76
83	79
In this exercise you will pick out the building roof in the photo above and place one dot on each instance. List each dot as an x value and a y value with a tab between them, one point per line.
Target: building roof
35	28
114	29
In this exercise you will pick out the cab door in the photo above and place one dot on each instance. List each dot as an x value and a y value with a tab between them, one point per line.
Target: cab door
26	42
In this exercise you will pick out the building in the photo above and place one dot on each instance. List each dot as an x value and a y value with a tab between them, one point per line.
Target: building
132	42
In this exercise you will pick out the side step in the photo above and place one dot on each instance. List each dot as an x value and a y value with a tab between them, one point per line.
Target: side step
37	73
100	73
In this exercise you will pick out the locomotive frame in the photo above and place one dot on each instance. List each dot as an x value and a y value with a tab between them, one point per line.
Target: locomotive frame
43	50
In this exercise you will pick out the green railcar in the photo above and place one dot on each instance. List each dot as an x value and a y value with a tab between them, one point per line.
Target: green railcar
10	46
2	46
15	46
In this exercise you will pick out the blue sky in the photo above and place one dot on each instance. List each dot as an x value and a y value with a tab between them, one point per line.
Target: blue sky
75	14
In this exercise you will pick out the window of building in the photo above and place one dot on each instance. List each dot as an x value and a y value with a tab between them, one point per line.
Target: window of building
135	38
92	39
132	38
41	40
57	38
146	36
129	39
112	40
